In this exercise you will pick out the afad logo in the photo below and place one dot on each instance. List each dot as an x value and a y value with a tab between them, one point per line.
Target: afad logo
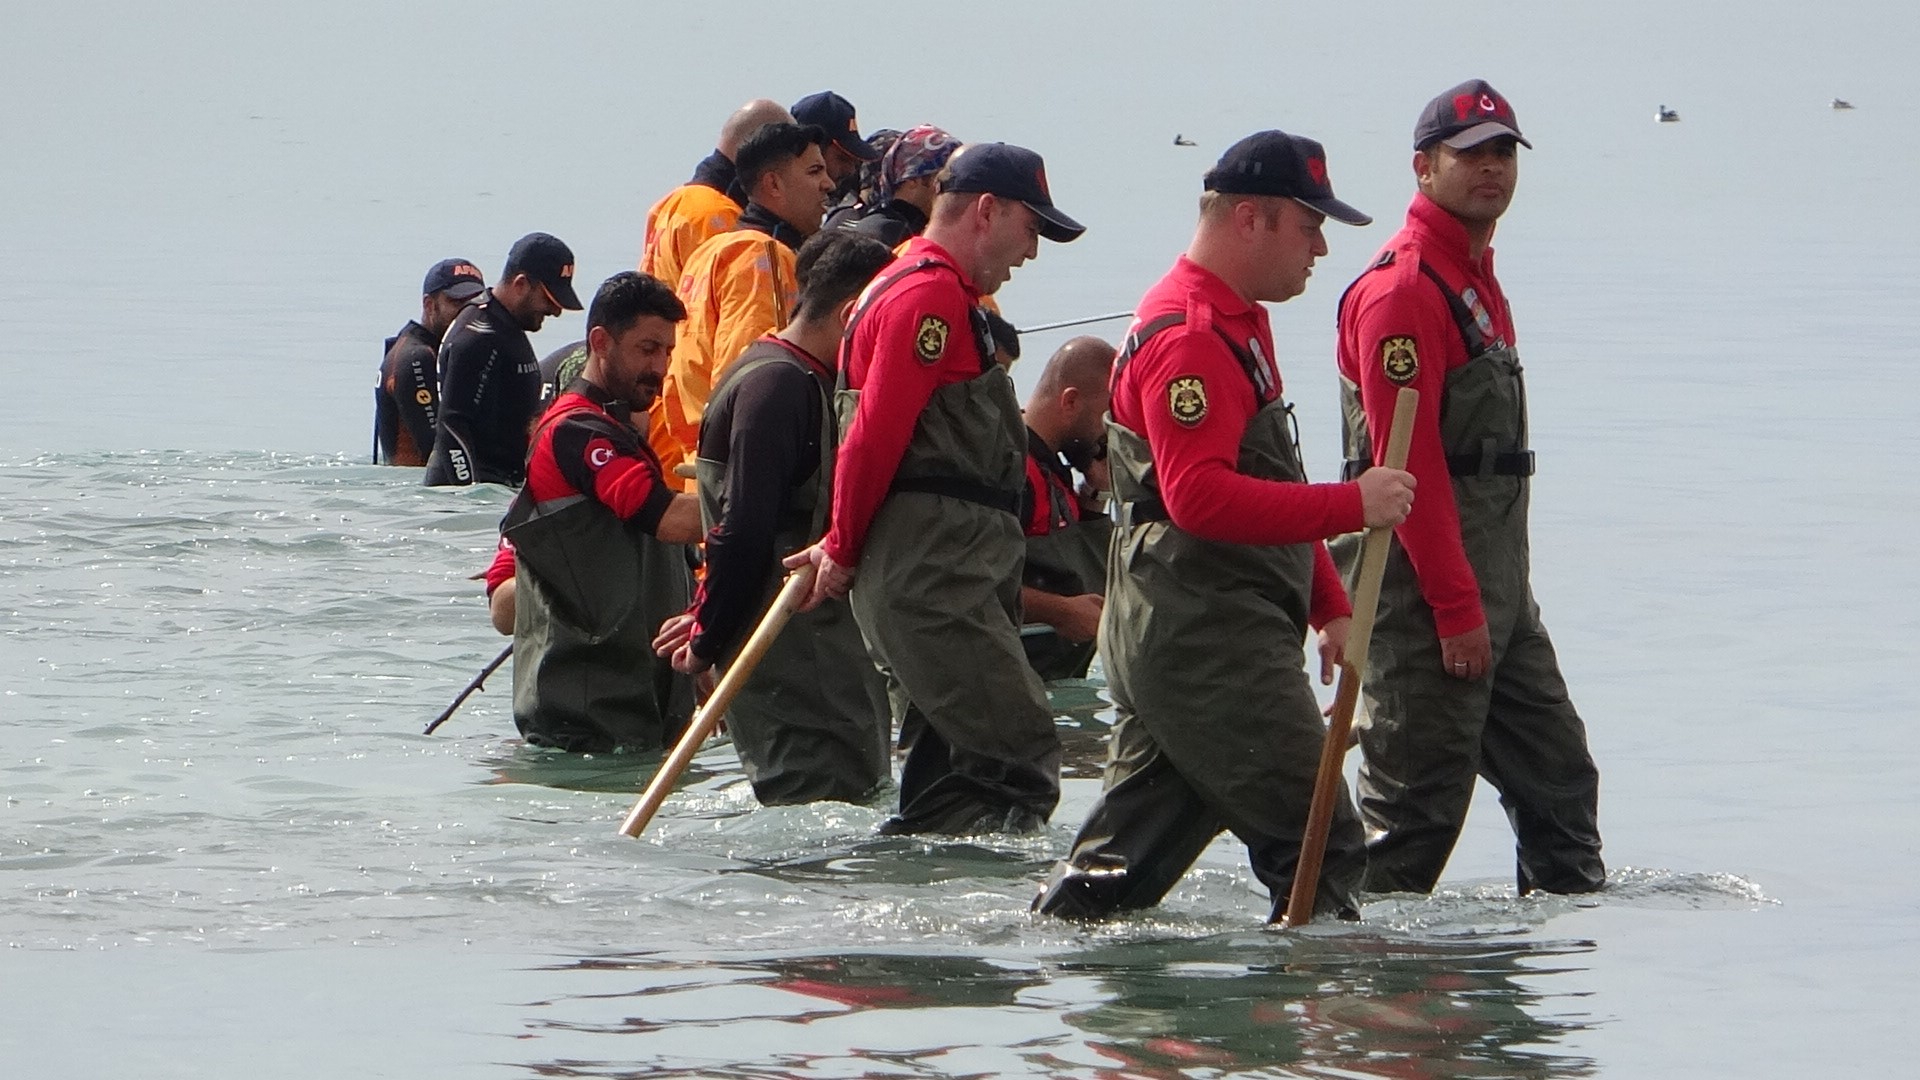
1317	168
1465	105
566	272
1040	177
467	270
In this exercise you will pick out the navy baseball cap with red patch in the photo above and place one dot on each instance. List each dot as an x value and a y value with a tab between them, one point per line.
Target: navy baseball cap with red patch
545	259
1466	116
458	278
1284	166
1009	172
834	115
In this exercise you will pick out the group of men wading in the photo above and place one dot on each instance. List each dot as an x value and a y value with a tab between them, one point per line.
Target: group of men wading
844	406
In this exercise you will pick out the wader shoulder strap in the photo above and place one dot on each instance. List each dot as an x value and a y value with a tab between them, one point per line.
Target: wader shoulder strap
1462	316
1249	362
994	498
875	291
1476	341
829	431
1141	511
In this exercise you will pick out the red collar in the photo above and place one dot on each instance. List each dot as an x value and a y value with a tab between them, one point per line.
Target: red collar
1445	234
922	248
800	354
1210	287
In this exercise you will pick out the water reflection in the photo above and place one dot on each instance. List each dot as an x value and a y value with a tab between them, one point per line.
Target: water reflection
1242	1004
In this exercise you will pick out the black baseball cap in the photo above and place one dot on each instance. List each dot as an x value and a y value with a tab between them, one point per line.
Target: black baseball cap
1465	117
1009	172
545	259
1281	165
834	115
458	278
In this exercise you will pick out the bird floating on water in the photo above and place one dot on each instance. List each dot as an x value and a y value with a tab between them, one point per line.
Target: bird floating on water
1666	116
1842	103
1182	140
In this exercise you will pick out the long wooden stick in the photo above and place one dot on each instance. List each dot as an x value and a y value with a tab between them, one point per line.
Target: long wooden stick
1353	666
709	714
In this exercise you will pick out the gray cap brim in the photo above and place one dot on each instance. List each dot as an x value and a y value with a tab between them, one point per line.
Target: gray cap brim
1479	133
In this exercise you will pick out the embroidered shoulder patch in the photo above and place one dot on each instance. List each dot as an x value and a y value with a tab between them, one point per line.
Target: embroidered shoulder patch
1187	400
930	341
1400	360
599	454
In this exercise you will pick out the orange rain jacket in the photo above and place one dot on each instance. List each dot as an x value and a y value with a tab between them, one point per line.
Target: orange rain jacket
737	286
680	222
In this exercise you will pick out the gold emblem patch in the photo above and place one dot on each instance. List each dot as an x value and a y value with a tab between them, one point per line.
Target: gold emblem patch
1400	360
930	341
423	395
1187	399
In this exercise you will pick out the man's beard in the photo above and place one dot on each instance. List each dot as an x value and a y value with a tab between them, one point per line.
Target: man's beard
645	389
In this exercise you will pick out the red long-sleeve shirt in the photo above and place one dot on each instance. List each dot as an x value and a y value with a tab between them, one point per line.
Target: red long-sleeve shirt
1196	441
886	361
1398	301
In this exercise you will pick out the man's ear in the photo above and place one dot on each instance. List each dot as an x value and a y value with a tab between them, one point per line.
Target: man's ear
599	342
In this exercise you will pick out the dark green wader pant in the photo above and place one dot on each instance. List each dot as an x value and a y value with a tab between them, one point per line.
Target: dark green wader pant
812	722
937	597
592	592
1217	726
1071	561
1427	735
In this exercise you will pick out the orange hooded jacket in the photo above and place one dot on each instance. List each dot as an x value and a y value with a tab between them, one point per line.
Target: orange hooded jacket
680	222
737	286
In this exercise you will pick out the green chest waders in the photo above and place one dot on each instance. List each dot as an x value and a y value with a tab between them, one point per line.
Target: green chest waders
812	723
937	596
1071	560
1426	735
1217	726
592	591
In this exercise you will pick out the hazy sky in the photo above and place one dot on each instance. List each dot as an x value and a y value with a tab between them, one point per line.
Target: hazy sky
217	211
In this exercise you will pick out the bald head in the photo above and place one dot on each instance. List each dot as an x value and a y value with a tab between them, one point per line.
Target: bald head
1070	402
1084	363
748	119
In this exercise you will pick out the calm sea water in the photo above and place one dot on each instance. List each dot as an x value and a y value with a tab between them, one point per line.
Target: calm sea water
226	849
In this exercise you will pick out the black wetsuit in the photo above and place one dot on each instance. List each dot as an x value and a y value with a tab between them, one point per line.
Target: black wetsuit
892	223
781	412
716	172
489	395
406	400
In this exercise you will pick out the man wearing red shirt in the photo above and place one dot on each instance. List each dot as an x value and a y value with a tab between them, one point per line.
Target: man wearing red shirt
1462	679
925	501
1067	534
595	541
1218	566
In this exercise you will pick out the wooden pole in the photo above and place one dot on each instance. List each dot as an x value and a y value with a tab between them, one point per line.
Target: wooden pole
1353	665
709	714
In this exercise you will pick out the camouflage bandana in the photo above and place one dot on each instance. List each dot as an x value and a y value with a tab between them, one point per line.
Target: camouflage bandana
922	151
